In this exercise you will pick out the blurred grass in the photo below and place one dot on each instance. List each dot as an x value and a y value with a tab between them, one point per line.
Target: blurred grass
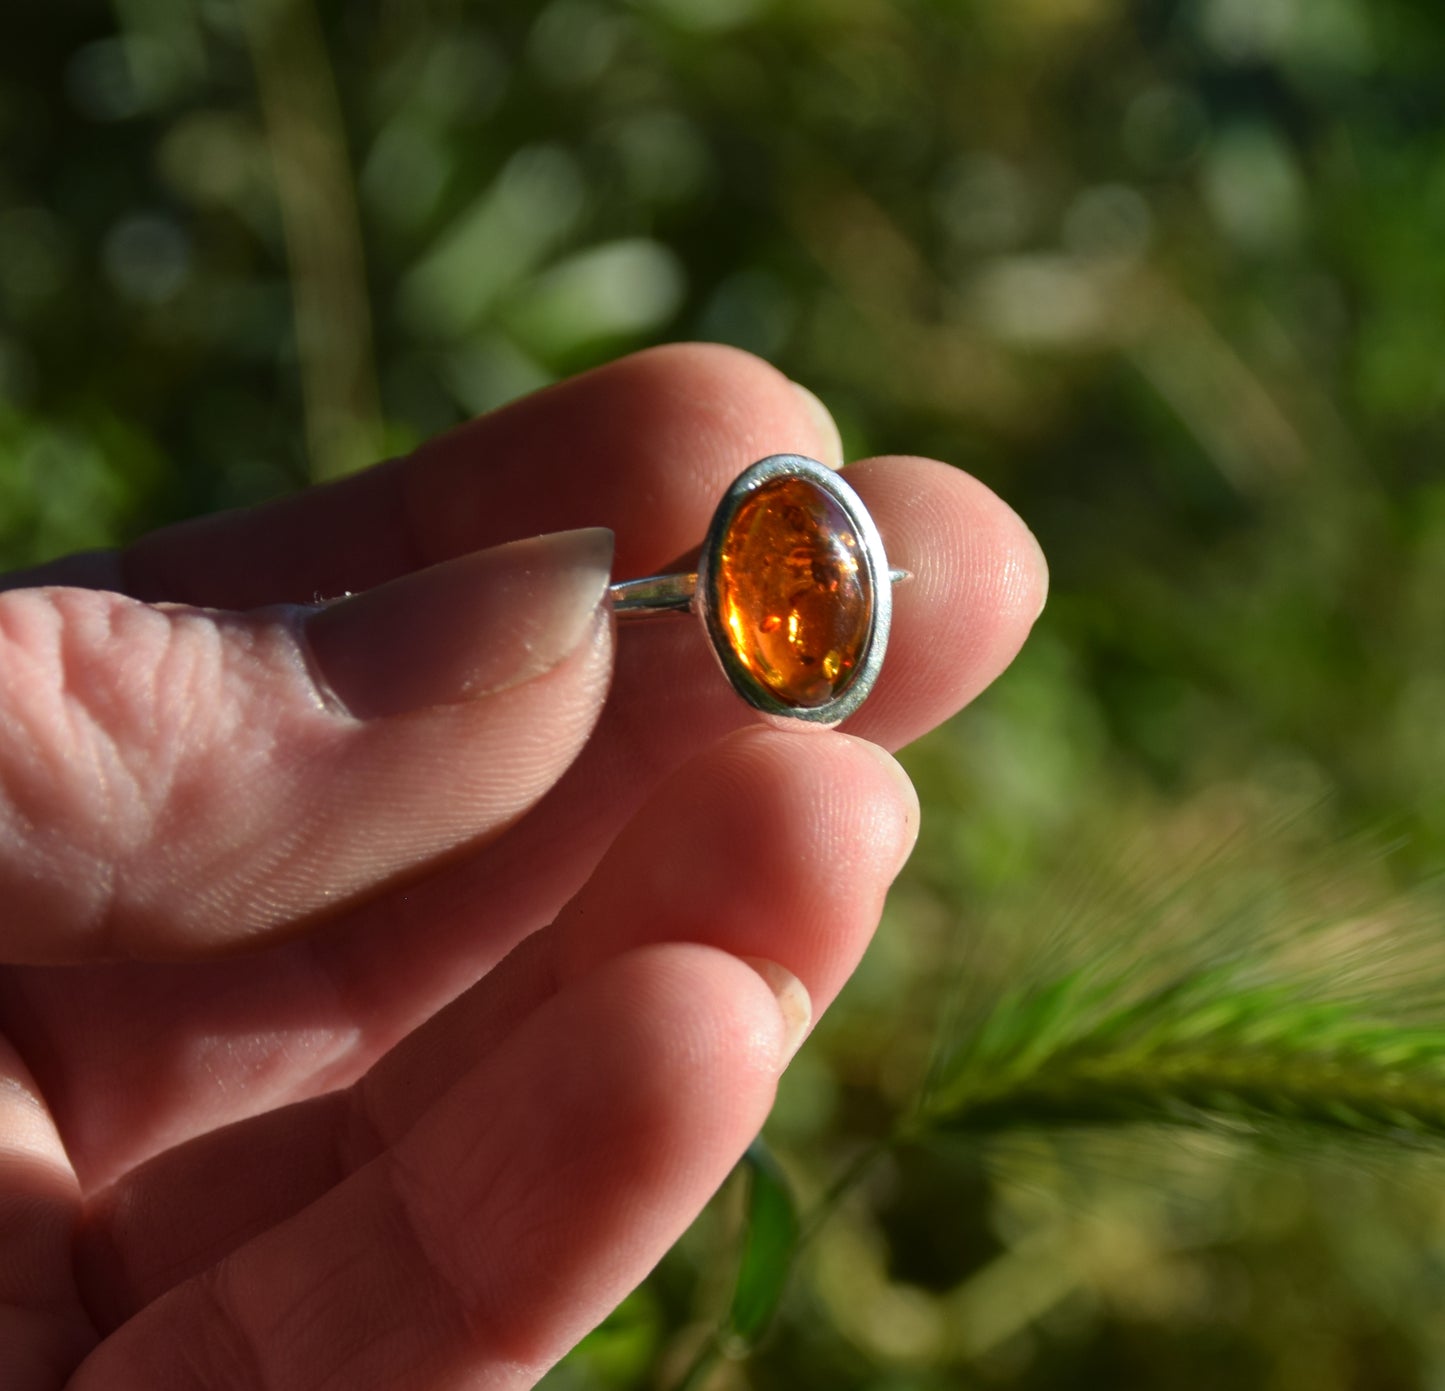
1167	274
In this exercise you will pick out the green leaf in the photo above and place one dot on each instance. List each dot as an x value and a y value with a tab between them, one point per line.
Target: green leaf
1244	1022
770	1242
619	1350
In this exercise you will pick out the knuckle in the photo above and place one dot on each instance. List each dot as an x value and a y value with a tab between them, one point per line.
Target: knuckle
108	708
96	690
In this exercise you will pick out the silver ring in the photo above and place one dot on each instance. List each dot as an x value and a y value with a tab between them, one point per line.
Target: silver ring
793	588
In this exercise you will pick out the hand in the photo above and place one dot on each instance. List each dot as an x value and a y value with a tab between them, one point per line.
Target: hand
496	1037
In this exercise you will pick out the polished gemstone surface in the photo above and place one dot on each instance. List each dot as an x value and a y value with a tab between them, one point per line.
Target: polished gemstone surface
793	592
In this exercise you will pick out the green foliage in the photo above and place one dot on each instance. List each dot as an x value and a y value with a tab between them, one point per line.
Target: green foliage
1212	1044
67	486
620	1350
769	1246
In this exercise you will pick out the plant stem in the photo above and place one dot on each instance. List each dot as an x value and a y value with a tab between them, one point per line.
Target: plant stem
1335	1091
706	1358
317	199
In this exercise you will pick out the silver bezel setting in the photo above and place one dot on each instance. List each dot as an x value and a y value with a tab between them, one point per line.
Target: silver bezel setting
877	576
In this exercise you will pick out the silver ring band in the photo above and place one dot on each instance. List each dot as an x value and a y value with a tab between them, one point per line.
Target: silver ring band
660	596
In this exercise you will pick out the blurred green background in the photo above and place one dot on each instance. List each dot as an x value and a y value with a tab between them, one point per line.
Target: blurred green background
1169	275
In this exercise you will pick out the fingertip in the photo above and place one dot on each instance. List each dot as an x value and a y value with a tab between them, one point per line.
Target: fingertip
840	786
795	1005
955	535
979	582
769	844
904	804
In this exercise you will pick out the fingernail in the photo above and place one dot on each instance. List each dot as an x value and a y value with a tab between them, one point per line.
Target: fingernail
462	630
794	1003
830	441
907	794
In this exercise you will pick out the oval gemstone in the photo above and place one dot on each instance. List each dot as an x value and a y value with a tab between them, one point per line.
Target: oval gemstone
791	589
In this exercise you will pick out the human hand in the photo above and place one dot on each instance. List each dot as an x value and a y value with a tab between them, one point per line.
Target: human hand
496	1039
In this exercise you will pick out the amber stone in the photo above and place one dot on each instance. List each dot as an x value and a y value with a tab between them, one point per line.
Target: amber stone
792	592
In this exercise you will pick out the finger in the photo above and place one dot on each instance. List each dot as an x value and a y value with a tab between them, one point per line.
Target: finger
510	1218
643	446
43	1330
177	780
770	845
354	990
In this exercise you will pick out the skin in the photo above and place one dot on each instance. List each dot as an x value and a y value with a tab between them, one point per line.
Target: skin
356	1038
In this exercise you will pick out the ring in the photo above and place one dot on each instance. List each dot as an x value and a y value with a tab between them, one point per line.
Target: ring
793	589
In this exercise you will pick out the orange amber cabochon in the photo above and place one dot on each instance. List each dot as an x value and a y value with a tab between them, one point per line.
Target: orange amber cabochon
792	592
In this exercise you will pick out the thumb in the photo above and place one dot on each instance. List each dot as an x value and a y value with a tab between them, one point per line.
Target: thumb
175	781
